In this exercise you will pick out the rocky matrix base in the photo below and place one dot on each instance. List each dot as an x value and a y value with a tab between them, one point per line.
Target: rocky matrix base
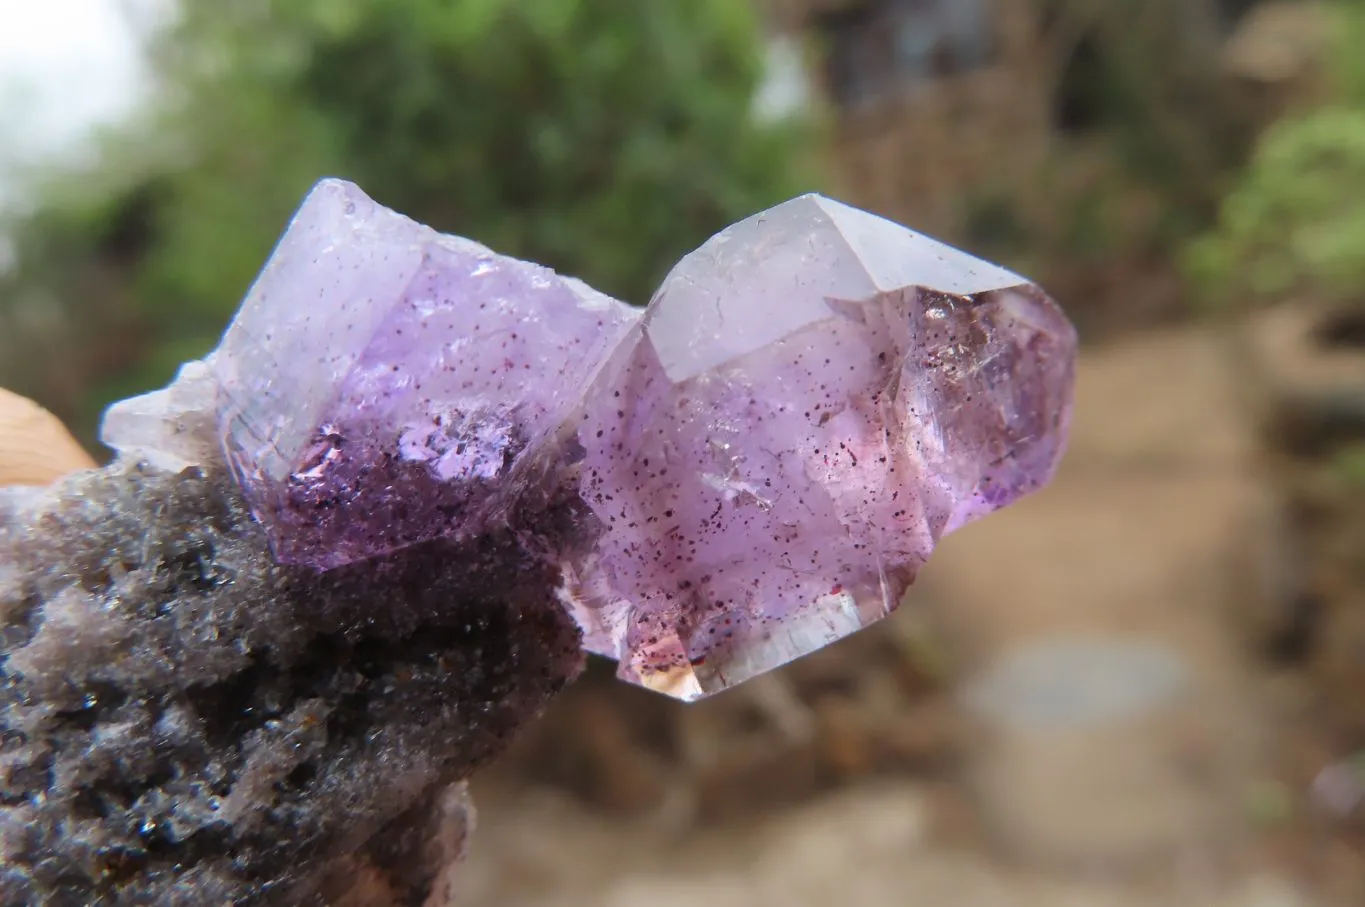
182	721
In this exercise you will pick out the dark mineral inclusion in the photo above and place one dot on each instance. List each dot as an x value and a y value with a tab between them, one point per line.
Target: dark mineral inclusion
183	721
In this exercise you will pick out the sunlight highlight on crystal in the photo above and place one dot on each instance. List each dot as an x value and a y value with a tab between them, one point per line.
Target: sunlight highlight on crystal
815	397
755	466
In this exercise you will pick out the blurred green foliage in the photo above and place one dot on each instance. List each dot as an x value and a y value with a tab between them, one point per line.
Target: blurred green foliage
1294	221
1297	217
599	137
1348	465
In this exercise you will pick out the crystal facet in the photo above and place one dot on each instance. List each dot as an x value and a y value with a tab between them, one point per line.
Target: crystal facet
755	467
813	399
172	428
383	383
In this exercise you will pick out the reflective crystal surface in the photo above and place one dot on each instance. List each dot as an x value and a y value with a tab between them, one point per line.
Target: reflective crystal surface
756	466
383	383
813	399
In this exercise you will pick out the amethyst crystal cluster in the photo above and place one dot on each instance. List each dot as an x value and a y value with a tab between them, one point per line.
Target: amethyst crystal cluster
755	465
342	559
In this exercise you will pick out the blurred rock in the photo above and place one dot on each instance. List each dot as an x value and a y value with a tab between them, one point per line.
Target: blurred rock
870	846
1304	367
1059	683
1114	728
1305	376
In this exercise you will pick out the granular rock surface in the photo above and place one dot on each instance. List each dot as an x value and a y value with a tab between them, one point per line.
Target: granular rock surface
183	721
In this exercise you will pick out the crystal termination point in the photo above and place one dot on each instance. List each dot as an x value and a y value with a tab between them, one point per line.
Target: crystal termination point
384	384
756	466
814	398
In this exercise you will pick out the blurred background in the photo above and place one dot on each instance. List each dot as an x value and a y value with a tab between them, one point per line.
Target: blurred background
1143	686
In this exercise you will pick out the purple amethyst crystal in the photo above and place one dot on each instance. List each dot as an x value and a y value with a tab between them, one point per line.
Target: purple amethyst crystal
755	468
812	400
383	384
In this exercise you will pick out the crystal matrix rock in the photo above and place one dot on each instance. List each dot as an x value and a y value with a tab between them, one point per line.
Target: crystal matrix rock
813	399
184	721
383	384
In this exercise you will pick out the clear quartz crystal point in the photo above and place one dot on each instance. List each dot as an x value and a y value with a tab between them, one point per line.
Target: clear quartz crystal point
812	400
172	428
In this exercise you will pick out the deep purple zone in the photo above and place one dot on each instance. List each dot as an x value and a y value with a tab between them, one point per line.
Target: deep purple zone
365	500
